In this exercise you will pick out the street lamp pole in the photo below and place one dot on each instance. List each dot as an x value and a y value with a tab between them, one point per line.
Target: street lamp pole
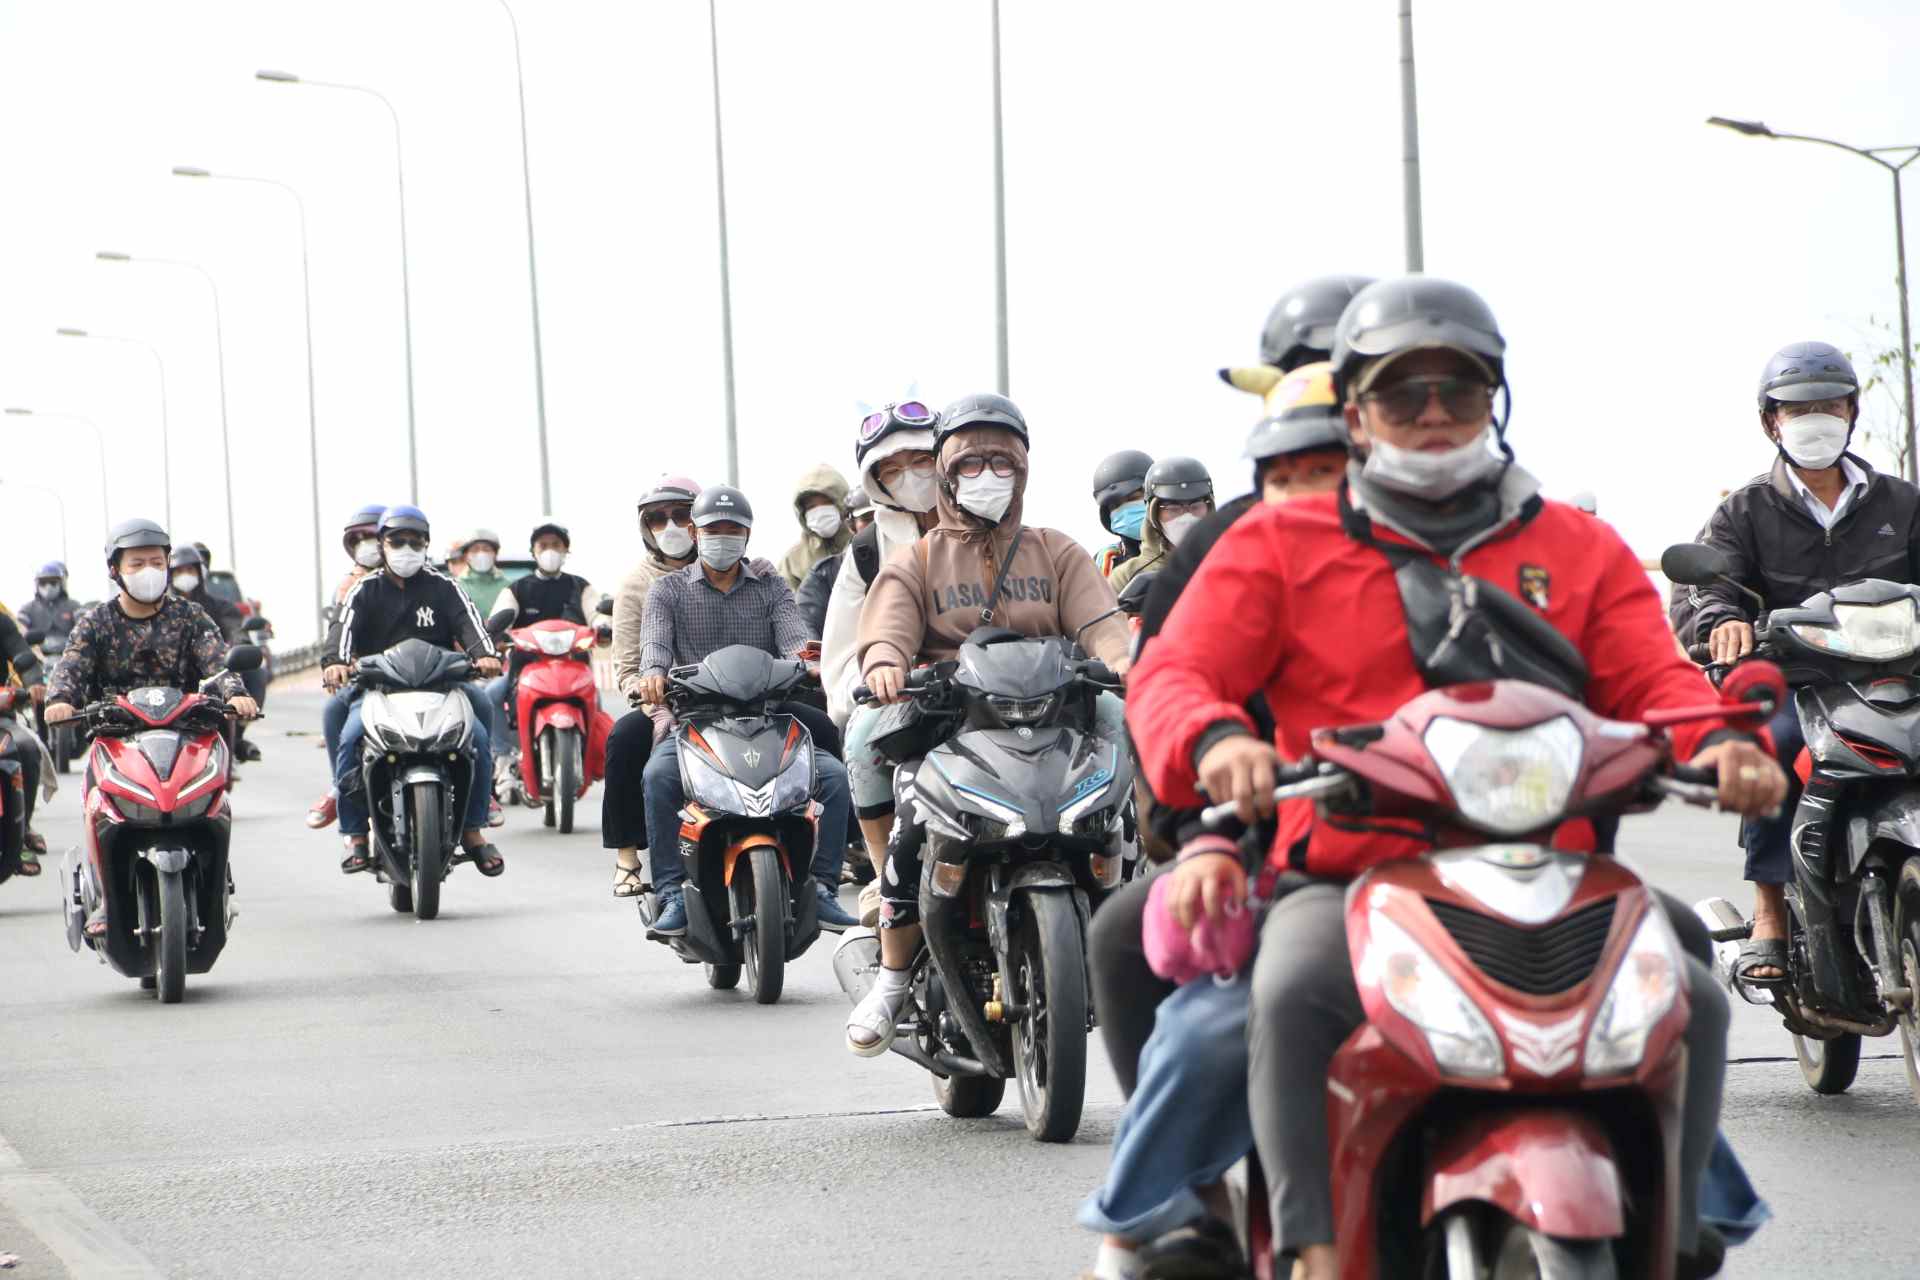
99	443
1410	144
166	440
1754	129
220	355
59	501
726	281
313	426
533	276
999	222
406	288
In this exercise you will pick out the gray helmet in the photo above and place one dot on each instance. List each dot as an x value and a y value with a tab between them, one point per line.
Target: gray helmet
858	503
1118	475
722	502
1807	371
484	535
983	410
186	558
138	532
1179	480
1414	313
1300	327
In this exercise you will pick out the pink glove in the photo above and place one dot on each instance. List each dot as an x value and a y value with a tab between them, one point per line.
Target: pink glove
1218	947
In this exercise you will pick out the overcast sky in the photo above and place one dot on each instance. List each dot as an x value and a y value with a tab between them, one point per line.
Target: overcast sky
1169	170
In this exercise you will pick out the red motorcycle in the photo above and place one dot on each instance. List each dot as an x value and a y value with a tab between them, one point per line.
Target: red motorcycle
563	731
1511	1106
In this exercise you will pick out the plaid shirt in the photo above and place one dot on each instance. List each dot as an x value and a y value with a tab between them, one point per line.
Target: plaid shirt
687	617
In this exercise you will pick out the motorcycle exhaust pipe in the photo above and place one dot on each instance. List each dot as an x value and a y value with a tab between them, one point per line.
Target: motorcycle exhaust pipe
1728	928
856	962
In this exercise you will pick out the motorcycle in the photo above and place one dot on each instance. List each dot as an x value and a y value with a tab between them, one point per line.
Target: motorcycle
417	767
1511	1105
1023	807
13	788
1852	655
63	740
749	824
154	835
562	730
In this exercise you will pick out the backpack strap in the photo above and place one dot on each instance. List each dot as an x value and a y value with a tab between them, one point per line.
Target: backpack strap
1000	581
866	553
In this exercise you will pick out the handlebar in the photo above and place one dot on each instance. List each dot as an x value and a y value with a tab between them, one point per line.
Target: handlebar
1301	781
923	680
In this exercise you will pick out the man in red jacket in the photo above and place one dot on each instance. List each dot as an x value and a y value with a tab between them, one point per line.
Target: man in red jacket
1300	601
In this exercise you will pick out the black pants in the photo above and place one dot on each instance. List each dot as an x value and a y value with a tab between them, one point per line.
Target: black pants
1126	993
28	755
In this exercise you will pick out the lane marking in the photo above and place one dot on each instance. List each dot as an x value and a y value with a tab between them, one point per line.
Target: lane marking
770	1118
75	1234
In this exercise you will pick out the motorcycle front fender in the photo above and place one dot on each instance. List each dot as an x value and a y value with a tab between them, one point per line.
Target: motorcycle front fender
422	773
171	861
556	715
1549	1168
1897	818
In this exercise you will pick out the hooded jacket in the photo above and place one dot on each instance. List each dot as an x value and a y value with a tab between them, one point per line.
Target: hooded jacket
930	595
812	548
1154	550
630	610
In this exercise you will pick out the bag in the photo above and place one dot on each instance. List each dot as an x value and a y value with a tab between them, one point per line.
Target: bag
905	731
1220	948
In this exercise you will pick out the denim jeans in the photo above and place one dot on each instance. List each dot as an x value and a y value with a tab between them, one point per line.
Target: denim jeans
661	783
332	717
1769	859
346	760
496	697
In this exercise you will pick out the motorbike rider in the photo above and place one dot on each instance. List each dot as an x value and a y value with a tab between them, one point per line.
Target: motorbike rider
979	565
820	505
1418	362
817	589
666	529
1819	517
409	600
1120	491
189	580
20	665
1179	496
860	510
483	581
146	636
548	592
361	538
51	611
727	599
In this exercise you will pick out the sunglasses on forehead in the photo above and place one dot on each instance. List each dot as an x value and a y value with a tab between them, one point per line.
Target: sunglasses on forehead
909	413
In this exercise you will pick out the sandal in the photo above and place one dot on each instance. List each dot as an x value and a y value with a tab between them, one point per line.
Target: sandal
1756	953
485	858
629	882
359	858
29	861
35	842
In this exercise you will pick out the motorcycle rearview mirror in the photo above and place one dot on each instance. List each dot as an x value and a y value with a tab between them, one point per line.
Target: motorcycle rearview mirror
499	624
255	623
1094	622
1758	688
605	607
245	657
1695	564
35	637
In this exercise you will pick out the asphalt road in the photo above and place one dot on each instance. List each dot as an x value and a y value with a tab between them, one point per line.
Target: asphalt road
527	1086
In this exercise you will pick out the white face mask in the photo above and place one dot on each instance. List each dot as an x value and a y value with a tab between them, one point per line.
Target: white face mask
49	591
675	541
1179	527
550	560
824	521
985	495
721	552
405	561
1814	440
184	583
146	585
915	492
1434	475
480	561
366	553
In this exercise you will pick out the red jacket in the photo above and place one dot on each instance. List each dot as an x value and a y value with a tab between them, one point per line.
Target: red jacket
1289	603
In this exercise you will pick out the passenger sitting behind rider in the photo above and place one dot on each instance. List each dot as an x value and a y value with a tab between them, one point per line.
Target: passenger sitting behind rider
977	566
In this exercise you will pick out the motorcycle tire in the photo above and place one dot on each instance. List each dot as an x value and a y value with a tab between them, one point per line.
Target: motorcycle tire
61	751
765	947
428	852
1050	1038
723	977
1526	1254
566	777
1828	1066
171	967
400	898
969	1097
1906	932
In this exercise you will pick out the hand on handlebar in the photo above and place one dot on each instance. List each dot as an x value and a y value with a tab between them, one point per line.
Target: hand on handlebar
488	667
244	707
653	691
1240	771
1731	641
1751	781
332	677
886	684
58	712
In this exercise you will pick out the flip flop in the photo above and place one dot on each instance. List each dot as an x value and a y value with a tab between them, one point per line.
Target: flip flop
1756	952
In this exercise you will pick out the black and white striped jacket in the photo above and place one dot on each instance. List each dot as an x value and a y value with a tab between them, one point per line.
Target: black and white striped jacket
381	611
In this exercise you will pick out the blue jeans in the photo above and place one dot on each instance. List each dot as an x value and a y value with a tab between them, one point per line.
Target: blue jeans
332	717
496	696
346	760
1769	857
660	782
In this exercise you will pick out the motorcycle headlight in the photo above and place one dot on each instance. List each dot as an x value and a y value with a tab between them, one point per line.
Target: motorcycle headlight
1020	710
795	784
1643	990
1507	781
122	780
993	813
1458	1034
1872	632
555	644
1092	791
708	785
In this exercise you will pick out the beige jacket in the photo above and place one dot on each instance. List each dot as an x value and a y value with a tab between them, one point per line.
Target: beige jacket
812	548
630	610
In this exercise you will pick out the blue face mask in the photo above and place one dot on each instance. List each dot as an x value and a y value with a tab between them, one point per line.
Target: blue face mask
1128	520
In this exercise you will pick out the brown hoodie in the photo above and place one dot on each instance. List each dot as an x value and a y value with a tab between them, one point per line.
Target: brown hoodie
929	596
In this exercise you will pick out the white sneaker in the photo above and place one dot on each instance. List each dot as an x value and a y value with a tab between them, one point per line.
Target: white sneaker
871	1025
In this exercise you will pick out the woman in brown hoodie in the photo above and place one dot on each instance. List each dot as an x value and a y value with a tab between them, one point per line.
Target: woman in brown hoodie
931	596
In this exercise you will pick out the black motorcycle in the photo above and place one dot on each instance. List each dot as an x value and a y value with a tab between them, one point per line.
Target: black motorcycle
1023	806
1852	657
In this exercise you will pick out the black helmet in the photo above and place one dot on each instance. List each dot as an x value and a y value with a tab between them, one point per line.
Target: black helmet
858	503
186	558
983	410
1179	480
404	517
1300	327
1414	313
1118	475
722	502
905	415
1310	418
138	532
549	525
1807	371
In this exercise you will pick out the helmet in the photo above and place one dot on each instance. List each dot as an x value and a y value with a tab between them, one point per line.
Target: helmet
858	503
52	569
187	558
1302	414
364	523
905	416
1300	327
1118	475
1179	480
722	502
671	489
483	535
1415	313
550	525
982	410
206	553
404	517
138	532
1807	371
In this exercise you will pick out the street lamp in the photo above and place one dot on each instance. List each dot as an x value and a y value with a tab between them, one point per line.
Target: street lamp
220	353
726	282
533	277
406	289
999	222
1754	129
58	501
166	442
313	429
99	442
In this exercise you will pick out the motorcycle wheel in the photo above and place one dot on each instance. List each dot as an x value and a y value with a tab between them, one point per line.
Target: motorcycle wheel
566	777
1050	1039
400	898
62	752
1526	1254
722	977
1906	932
1828	1066
969	1097
762	898
172	964
544	771
427	850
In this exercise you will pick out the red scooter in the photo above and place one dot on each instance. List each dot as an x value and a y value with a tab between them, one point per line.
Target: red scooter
562	730
1511	1106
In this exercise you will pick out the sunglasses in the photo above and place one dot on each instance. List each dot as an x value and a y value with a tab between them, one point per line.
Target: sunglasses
658	518
910	413
1463	399
894	469
411	541
973	465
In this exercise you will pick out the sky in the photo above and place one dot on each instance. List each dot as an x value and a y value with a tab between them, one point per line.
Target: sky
1169	170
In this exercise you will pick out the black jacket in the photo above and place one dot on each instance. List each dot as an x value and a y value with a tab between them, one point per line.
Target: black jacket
1781	552
16	657
225	614
381	611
